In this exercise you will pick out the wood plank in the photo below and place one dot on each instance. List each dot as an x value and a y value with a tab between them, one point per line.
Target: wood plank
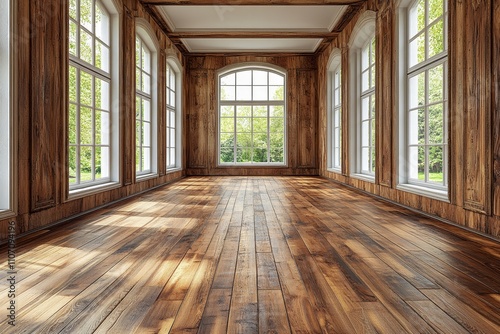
250	2
272	312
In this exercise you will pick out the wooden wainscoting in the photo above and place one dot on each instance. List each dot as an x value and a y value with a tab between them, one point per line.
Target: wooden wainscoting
255	254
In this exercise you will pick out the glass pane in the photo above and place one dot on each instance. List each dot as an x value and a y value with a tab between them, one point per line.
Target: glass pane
72	84
227	140
260	125
172	81
276	80
146	110
260	111
86	8
436	164
436	38
86	158
436	129
138	108
227	93
336	98
73	31
365	159
243	154
243	124
102	57
86	88
413	126
101	25
373	160
105	128
72	9
98	127
228	80
276	93
365	81
372	133
227	111
105	162
138	133
336	117
276	125
436	84
102	94
72	164
413	162
365	133
244	78
276	140
146	59
372	77
227	125
86	51
365	108
259	155
435	9
244	139
172	119
244	93
138	78
146	134
72	130
172	99
171	142
227	155
146	159
421	163
260	93
259	77
277	154
372	106
260	140
416	91
244	111
98	166
365	58
417	50
86	127
146	83
276	111
172	161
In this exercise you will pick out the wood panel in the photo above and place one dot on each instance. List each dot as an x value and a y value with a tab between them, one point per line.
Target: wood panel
47	111
477	113
384	110
496	108
197	115
256	255
307	118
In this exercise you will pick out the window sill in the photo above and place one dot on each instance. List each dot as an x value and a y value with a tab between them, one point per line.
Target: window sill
145	177
334	170
6	214
436	194
91	190
364	177
252	166
173	170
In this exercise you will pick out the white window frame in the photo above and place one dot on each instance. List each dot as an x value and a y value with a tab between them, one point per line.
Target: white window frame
112	77
175	109
334	114
146	35
269	103
363	33
8	93
405	73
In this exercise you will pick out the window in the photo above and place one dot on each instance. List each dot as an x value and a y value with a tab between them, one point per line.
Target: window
173	150
334	110
427	96
145	102
367	108
362	98
7	175
92	119
252	117
424	106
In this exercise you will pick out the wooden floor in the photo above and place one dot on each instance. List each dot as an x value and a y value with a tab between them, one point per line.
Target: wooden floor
255	255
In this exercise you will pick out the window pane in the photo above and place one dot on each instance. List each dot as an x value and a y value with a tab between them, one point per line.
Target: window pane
227	155
276	93
435	9
277	154
244	154
104	128
146	134
86	158
276	111
260	77
260	140
416	91
259	155
413	162
365	133
436	38
260	111
365	159
72	9
243	125
436	164
277	139
260	125
73	167
417	50
146	110
72	120
276	125
105	162
227	93
102	25
421	163
244	93
227	125
227	111
73	31
73	82
146	159
365	108
436	84
102	94
226	140
260	93
102	57
276	80
86	126
365	81
86	8
86	50
228	80
244	111
146	83
244	139
436	129
414	131
244	78
86	88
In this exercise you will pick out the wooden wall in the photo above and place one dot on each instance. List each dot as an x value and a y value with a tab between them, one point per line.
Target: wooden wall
202	115
40	49
474	118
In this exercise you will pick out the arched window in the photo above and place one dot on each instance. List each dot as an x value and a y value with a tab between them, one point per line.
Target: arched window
334	126
423	102
93	94
6	116
174	115
252	116
362	99
146	96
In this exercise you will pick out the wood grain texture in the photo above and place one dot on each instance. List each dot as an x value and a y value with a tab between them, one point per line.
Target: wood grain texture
496	109
190	257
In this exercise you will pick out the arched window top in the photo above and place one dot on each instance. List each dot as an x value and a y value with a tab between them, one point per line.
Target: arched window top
253	65
146	33
252	83
335	59
364	30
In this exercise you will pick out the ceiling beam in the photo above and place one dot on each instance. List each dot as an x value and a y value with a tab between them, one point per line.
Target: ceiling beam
251	2
250	34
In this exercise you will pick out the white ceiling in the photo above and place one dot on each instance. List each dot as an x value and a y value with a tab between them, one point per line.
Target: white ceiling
254	19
